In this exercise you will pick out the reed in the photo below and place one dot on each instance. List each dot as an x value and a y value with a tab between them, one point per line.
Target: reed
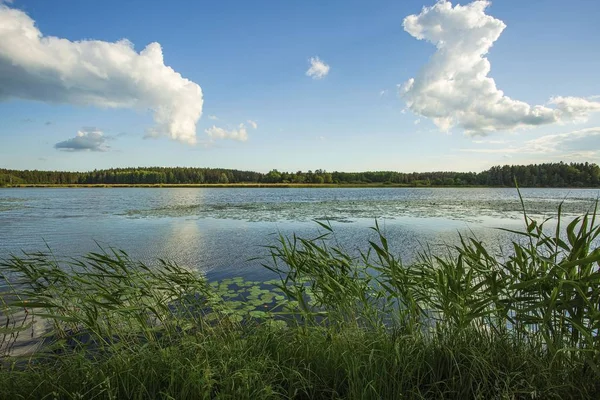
472	322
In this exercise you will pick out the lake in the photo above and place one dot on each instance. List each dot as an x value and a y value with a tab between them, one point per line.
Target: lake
221	230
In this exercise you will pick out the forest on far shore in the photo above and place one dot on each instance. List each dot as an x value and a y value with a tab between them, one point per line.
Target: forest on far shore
535	175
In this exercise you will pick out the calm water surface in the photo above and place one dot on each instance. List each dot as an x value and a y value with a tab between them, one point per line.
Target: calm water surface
218	230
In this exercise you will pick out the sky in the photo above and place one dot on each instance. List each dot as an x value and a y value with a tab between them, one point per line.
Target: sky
412	85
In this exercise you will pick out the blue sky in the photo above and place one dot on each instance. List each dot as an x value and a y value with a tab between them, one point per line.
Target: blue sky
73	99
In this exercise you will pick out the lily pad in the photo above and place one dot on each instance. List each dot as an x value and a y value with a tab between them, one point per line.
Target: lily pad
276	324
257	314
236	318
267	297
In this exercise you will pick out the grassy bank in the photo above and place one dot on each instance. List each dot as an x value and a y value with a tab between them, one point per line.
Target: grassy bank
469	323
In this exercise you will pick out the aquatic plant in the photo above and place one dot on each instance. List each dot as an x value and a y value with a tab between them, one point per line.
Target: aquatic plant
473	322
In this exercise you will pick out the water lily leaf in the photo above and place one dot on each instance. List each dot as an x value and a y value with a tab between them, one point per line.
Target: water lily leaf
267	297
277	324
258	314
236	318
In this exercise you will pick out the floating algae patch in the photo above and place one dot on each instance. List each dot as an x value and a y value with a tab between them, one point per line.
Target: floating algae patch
346	210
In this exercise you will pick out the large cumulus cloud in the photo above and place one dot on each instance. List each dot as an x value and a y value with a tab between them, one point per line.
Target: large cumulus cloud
454	89
96	73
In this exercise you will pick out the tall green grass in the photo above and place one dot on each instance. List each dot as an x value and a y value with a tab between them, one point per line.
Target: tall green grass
546	292
469	323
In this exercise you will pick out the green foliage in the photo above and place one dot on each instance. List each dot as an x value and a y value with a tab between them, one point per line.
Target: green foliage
468	324
103	298
537	175
271	363
223	178
7	179
546	293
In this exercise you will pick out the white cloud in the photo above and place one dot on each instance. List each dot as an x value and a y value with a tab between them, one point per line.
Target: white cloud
417	121
454	89
97	73
253	124
507	150
318	69
213	117
580	142
575	108
240	134
87	139
490	141
383	92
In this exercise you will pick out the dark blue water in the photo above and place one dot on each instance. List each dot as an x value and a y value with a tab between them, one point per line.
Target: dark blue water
218	230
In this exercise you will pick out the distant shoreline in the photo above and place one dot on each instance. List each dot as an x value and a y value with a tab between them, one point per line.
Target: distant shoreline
555	175
278	185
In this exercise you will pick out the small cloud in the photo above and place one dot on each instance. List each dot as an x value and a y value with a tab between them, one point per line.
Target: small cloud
239	134
403	111
491	141
47	123
496	151
383	92
417	121
322	138
253	124
87	139
318	69
213	117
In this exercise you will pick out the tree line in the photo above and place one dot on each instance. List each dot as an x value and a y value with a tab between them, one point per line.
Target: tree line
534	175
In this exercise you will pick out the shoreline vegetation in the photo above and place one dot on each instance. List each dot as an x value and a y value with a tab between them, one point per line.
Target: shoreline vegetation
267	185
563	175
471	323
276	185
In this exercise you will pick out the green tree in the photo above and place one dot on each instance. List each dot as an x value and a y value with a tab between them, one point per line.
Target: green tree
273	176
223	178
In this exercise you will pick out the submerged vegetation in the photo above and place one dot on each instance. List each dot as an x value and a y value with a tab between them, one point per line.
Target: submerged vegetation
471	323
535	175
